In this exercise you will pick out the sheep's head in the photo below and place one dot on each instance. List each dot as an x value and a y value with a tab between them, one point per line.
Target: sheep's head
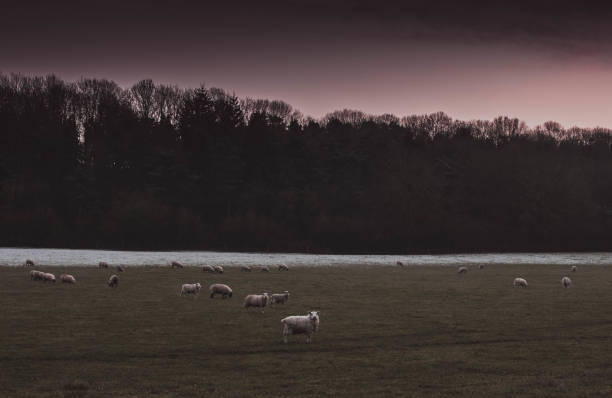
314	318
198	286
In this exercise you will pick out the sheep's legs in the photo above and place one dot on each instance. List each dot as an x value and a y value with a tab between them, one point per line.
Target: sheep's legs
308	339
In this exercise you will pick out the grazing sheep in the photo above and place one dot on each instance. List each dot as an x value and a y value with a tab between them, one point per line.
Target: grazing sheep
462	270
208	268
520	282
219	288
573	268
566	282
102	264
281	298
245	268
29	263
47	277
399	263
256	300
191	288
264	268
65	278
481	266
218	269
283	267
113	281
36	275
176	264
300	324
120	268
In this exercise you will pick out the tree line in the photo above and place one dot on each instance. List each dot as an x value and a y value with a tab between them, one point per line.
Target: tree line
91	164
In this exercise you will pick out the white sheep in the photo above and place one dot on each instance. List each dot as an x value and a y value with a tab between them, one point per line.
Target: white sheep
573	268
218	269
29	263
264	268
256	300
176	264
300	324
462	270
283	267
47	277
102	264
191	288
520	282
219	288
208	268
113	281
566	282
36	275
65	278
245	268
281	298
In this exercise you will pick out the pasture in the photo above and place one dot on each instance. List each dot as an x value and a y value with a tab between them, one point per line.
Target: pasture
421	331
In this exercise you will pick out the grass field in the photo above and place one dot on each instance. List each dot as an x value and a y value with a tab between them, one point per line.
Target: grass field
385	331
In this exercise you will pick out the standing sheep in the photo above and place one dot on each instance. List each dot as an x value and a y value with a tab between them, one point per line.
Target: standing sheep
218	269
462	270
264	268
573	268
245	268
29	263
279	298
300	324
283	267
102	264
208	268
520	282
113	281
47	277
191	288
219	288
36	275
176	264
65	278
566	282
256	300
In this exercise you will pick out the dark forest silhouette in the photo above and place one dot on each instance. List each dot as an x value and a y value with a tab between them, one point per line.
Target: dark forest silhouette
90	164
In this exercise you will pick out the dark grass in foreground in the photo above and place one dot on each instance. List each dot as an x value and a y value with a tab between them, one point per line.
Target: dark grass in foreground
385	331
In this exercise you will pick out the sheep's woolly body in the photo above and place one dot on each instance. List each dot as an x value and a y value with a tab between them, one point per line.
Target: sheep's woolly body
190	288
300	324
218	269
281	298
65	278
256	300
566	282
208	268
47	277
219	288
520	282
113	281
462	270
245	268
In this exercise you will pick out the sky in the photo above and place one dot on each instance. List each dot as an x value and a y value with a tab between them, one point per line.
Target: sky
535	60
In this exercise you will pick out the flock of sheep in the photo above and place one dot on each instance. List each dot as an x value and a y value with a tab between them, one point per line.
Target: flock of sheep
521	282
297	324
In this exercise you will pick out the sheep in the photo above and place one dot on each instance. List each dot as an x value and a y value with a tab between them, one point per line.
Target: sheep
218	269
245	268
102	264
264	268
65	278
47	277
399	263
256	300
566	282
176	264
281	298
219	288
520	282
113	281
120	268
283	267
208	268
189	288
29	263
573	268
300	324
36	275
462	270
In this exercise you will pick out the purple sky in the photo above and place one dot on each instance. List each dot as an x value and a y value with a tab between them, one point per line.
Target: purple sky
537	60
